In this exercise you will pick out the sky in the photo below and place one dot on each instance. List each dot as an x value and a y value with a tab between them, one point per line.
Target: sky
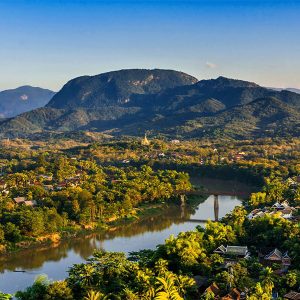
48	42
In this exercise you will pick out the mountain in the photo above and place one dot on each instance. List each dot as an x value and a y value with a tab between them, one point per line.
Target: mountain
116	88
267	116
162	101
25	98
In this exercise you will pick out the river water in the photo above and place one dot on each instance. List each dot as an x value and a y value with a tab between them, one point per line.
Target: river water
144	234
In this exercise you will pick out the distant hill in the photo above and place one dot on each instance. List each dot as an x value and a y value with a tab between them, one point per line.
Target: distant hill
293	90
287	89
25	98
164	102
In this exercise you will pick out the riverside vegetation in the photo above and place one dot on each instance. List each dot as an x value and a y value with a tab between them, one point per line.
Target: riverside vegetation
96	183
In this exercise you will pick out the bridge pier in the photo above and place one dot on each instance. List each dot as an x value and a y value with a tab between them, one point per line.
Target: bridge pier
216	207
182	200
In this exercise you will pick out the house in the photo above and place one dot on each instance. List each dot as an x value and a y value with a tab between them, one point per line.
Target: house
213	288
260	214
175	142
280	206
61	185
30	203
253	213
3	185
46	177
287	213
234	294
240	251
292	296
220	250
19	200
276	256
233	251
277	205
285	204
48	187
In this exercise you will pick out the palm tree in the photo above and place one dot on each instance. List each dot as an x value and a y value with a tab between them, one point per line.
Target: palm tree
166	289
93	295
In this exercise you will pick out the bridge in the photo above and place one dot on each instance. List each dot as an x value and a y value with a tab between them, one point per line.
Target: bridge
214	192
216	195
216	209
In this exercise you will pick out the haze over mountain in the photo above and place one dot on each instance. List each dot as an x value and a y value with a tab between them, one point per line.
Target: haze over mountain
22	99
162	101
293	90
287	89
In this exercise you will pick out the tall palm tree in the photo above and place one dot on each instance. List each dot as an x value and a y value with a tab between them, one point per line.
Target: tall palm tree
93	295
166	289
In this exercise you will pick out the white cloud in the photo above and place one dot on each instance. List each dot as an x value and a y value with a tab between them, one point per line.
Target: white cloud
210	65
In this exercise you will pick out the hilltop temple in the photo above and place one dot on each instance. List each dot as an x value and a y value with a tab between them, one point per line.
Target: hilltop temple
145	141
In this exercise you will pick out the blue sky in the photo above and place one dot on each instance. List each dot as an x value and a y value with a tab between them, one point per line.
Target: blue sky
46	43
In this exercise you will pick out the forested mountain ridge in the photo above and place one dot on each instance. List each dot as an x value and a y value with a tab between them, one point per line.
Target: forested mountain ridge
22	99
165	102
117	87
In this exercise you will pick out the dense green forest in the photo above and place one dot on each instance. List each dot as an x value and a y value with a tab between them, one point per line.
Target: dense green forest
91	185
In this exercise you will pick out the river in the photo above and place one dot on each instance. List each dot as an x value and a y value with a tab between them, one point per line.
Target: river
144	234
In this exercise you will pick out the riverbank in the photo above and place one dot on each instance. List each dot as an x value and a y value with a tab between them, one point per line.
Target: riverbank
146	232
53	240
203	186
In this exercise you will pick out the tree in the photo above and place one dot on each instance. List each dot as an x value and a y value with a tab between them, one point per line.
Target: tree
1	234
12	232
166	288
93	295
261	292
58	290
4	296
292	278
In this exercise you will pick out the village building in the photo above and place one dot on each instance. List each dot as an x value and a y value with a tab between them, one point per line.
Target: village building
3	185
234	294
19	200
282	210
256	213
276	257
280	206
233	251
175	142
48	187
292	296
46	177
30	203
287	213
24	201
61	186
253	213
213	288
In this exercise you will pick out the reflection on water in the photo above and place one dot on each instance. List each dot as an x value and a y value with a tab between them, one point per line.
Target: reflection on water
143	234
